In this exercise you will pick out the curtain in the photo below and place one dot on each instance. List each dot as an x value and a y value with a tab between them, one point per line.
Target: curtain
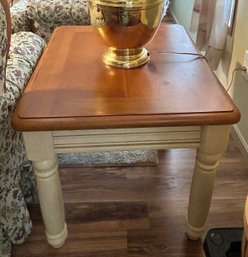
210	20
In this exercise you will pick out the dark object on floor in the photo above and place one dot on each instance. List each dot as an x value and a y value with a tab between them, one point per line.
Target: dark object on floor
223	242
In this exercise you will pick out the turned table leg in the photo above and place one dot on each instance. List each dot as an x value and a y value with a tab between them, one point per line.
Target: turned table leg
40	151
214	140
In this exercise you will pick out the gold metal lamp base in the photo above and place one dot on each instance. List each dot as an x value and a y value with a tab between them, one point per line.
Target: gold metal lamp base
126	58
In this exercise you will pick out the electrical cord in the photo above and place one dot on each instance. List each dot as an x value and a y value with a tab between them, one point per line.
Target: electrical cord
233	72
199	56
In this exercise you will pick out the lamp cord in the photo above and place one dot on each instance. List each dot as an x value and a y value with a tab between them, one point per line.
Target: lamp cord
233	72
198	56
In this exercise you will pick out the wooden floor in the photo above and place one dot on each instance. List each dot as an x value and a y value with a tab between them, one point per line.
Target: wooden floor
139	211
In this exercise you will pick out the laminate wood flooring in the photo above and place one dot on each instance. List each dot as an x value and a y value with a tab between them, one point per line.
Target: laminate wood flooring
139	211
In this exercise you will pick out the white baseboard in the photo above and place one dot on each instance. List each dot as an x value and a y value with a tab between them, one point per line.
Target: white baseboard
241	142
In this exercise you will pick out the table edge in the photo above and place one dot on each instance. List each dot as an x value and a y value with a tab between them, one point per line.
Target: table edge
132	121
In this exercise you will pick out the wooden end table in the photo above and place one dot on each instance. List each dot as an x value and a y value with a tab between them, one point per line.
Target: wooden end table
74	103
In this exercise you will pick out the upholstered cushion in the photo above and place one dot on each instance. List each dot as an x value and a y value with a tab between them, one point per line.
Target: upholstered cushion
49	14
19	18
3	48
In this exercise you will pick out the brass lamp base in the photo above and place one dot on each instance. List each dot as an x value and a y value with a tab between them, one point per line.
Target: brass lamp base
126	58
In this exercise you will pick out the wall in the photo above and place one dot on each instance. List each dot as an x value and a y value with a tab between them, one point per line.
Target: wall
181	9
232	58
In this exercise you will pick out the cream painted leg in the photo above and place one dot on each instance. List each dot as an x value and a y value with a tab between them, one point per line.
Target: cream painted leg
39	146
51	201
214	140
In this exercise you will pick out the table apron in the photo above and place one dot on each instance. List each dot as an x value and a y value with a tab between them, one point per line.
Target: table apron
126	139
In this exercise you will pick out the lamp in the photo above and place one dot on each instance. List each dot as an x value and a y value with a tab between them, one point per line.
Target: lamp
125	26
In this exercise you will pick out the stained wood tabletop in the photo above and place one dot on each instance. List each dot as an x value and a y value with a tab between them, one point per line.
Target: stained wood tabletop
71	88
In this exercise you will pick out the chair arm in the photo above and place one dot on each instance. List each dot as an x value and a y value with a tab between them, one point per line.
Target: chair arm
25	51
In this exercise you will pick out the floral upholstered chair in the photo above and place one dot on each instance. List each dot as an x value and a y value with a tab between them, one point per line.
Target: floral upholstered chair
42	17
17	183
19	57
